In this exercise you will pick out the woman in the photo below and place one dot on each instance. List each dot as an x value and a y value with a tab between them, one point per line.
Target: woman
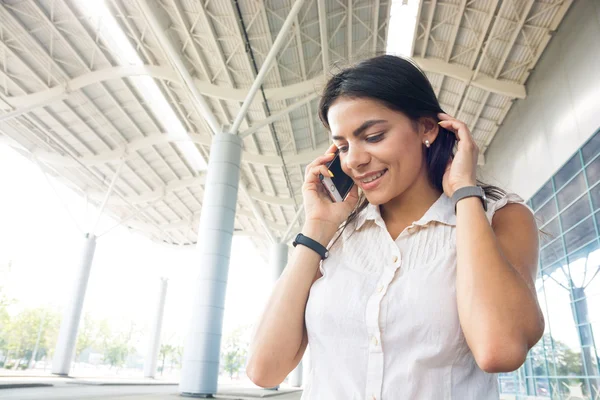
425	294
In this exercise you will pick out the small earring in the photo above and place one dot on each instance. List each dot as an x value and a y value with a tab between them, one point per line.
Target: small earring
427	144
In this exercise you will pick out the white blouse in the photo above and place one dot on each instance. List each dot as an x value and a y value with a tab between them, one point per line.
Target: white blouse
383	320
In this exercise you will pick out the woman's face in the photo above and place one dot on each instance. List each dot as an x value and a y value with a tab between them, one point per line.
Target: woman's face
380	149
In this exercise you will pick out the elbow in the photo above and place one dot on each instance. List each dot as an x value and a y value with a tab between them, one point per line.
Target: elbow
261	375
506	354
501	357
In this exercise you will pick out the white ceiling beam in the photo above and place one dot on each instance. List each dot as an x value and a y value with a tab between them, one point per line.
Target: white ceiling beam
182	225
323	34
462	73
266	66
432	4
45	97
299	46
478	48
274	117
110	156
44	52
349	22
513	37
151	12
453	35
375	25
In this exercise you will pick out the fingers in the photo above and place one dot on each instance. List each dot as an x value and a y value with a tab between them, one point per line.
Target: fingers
321	160
313	172
459	128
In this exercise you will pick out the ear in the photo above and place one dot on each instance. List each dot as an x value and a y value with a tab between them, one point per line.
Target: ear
429	128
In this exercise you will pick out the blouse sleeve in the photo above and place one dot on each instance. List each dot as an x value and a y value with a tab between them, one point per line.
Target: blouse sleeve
507	199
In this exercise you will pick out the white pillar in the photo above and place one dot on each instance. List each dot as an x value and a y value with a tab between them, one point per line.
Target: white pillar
200	372
279	258
154	342
67	337
295	377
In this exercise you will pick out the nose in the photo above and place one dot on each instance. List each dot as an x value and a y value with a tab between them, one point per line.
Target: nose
356	158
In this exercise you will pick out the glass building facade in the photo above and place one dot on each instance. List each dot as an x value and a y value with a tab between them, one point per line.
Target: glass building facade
564	364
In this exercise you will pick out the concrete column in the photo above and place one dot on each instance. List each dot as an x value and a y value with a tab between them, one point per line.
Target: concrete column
200	370
154	343
67	337
279	258
295	377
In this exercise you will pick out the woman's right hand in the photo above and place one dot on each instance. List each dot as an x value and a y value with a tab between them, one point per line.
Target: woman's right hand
322	214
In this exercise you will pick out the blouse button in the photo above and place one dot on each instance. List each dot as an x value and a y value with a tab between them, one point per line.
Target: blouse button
395	259
375	341
380	288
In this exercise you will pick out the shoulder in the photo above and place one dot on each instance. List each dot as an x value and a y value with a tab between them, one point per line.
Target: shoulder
510	210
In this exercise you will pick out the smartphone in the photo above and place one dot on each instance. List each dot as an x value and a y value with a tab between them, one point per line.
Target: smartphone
340	184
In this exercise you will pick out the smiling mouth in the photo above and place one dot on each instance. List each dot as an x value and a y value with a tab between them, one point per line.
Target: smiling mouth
373	177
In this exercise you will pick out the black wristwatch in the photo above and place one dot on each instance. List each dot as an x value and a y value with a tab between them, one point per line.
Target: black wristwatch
311	244
469	191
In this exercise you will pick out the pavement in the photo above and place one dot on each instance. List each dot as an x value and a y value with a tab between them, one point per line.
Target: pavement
66	388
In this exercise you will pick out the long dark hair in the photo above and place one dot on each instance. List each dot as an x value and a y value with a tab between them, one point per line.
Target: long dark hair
400	85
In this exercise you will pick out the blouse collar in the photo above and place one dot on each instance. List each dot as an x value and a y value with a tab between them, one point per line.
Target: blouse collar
441	211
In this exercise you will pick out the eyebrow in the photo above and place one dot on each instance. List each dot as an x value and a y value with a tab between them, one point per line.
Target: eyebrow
365	125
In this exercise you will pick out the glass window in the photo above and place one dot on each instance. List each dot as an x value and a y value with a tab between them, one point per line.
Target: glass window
552	252
595	195
571	191
593	172
580	235
542	387
565	361
575	213
537	355
542	195
591	148
578	259
549	232
595	326
546	213
567	171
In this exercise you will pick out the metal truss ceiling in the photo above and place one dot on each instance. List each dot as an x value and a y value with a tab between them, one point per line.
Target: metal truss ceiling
478	54
70	104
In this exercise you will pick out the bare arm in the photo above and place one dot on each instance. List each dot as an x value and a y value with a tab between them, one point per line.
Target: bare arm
280	339
497	267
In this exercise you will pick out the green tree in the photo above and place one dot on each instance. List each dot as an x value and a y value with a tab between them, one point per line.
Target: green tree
20	334
234	351
166	350
117	346
89	334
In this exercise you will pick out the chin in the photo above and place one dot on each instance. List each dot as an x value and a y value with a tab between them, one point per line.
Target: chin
377	199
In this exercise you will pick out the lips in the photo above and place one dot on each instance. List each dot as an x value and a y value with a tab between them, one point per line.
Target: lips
372	180
373	177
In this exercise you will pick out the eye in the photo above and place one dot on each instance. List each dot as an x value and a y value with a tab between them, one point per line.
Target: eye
375	138
343	149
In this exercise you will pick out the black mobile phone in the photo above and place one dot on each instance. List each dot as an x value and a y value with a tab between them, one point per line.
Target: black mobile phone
340	184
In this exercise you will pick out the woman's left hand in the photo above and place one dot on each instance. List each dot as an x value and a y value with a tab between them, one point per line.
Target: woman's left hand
461	170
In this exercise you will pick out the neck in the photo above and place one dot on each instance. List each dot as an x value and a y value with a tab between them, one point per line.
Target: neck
411	205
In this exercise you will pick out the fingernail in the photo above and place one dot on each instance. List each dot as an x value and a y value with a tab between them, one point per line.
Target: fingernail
330	173
440	122
330	154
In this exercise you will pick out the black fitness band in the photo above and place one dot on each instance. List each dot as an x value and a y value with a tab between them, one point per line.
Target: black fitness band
311	244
